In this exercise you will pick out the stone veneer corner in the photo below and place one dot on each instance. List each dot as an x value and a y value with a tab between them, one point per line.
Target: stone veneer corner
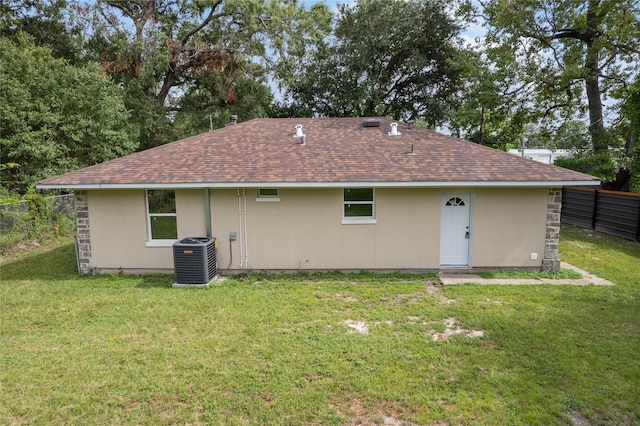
550	261
83	231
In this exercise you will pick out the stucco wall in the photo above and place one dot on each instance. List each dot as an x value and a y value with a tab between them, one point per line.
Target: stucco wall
119	229
509	225
304	229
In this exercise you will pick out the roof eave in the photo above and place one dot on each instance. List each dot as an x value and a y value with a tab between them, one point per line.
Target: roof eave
227	185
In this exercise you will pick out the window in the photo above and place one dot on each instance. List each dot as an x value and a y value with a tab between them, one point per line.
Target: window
455	201
268	194
161	205
358	205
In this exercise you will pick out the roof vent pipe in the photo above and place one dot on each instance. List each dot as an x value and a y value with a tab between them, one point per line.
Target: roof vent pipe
394	130
300	135
233	120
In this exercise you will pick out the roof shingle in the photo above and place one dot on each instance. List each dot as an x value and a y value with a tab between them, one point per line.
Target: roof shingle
337	150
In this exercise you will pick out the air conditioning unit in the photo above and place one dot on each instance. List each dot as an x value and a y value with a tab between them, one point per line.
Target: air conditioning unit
194	260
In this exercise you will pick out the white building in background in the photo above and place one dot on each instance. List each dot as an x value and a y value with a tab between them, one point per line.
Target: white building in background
541	155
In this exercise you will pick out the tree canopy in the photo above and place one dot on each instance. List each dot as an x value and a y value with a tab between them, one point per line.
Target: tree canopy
386	58
188	57
55	117
572	55
85	81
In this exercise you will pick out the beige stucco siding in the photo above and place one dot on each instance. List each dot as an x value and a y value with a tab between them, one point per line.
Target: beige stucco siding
509	225
301	231
304	229
119	229
118	222
190	205
408	228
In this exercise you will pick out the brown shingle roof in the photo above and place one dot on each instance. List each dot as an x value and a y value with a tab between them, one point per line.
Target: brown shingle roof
337	150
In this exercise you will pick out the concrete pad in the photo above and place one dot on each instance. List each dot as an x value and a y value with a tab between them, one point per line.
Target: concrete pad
217	280
450	278
587	276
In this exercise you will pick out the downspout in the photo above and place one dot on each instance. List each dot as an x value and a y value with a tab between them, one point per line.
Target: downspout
240	227
207	211
246	241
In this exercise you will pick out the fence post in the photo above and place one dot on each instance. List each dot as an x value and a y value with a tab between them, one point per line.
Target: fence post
638	227
595	208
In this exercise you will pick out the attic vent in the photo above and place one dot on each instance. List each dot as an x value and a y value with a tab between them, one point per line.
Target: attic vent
394	130
371	122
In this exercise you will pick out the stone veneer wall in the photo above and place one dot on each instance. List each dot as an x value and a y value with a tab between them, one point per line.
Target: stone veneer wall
84	236
550	261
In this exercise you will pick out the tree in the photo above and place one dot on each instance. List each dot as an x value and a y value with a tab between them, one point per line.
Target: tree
573	54
631	126
386	58
488	111
48	22
55	117
166	49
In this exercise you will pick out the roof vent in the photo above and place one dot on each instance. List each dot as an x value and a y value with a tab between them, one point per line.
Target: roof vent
300	135
394	130
371	122
232	120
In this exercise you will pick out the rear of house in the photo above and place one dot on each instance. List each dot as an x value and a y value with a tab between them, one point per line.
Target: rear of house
321	194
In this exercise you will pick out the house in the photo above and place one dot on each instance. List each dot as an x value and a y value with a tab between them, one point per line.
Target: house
320	194
542	155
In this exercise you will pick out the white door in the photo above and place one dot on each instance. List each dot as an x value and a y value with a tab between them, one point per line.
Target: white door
454	230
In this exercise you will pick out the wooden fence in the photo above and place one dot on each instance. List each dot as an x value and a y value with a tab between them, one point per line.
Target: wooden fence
611	212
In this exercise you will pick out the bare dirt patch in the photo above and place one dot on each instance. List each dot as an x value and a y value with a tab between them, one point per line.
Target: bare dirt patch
578	419
358	415
357	326
452	329
432	289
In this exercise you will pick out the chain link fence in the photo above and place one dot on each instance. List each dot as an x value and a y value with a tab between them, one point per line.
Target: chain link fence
36	217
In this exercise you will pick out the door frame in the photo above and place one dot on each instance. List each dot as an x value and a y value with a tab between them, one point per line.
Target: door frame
471	197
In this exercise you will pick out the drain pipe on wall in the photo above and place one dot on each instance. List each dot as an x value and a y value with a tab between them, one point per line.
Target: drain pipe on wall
207	211
246	241
240	226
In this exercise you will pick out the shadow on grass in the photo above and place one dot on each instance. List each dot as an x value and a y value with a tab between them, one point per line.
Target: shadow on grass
41	264
627	247
155	281
59	263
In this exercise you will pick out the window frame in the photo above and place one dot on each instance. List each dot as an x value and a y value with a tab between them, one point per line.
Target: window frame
160	242
359	220
268	198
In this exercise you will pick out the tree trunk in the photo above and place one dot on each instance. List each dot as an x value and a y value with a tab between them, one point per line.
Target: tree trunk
481	135
592	64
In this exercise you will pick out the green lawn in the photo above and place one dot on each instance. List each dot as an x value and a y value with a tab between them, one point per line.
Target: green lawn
285	350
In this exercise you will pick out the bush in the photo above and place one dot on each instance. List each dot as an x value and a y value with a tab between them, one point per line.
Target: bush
41	222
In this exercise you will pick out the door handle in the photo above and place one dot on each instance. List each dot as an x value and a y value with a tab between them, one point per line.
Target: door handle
466	235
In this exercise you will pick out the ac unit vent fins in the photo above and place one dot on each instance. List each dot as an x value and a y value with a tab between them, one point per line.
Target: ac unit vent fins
194	260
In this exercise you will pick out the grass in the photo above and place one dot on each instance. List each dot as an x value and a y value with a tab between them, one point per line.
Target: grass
276	349
561	274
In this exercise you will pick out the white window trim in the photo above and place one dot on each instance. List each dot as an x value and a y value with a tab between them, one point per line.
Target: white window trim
268	198
160	243
157	242
360	220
